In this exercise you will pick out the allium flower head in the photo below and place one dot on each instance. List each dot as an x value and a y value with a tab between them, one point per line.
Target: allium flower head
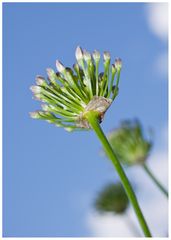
129	143
69	94
112	199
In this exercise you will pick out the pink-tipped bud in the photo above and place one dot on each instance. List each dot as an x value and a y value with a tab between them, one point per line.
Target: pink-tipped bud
34	115
118	64
40	81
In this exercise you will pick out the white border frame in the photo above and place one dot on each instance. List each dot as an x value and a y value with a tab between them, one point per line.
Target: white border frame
169	99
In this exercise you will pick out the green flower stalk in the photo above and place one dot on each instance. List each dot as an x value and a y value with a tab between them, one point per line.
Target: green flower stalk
132	148
112	199
78	99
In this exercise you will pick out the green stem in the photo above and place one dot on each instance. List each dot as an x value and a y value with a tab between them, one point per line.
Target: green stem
93	119
155	179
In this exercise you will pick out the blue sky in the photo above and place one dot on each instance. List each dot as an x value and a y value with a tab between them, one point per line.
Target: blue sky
50	177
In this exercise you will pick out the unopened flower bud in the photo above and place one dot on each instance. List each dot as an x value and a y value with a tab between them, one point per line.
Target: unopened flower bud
58	74
60	67
118	64
106	56
40	81
87	56
45	107
34	114
38	97
76	67
35	89
112	199
79	53
113	68
51	73
96	55
69	70
100	78
115	90
129	143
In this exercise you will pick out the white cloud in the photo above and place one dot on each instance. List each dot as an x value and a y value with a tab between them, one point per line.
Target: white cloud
108	225
153	203
161	65
157	19
157	16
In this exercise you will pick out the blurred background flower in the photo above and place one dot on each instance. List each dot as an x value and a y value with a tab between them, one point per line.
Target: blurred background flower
129	143
131	147
112	198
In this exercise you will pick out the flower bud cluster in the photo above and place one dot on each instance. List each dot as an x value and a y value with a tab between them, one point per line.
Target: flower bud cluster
68	94
129	143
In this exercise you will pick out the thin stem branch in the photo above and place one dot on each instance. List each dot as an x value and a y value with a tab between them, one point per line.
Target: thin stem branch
155	180
130	223
92	118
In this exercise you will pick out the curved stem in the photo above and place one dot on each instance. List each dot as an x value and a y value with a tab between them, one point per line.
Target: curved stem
155	179
92	118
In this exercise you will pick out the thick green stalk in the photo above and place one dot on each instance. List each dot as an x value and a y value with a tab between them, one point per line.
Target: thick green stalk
93	120
155	179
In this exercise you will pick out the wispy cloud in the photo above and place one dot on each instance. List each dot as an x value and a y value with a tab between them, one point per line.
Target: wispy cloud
157	17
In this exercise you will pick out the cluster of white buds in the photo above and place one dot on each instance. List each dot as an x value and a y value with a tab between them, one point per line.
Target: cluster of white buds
70	94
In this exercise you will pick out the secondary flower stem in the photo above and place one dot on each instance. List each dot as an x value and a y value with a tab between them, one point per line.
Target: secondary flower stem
148	171
92	118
